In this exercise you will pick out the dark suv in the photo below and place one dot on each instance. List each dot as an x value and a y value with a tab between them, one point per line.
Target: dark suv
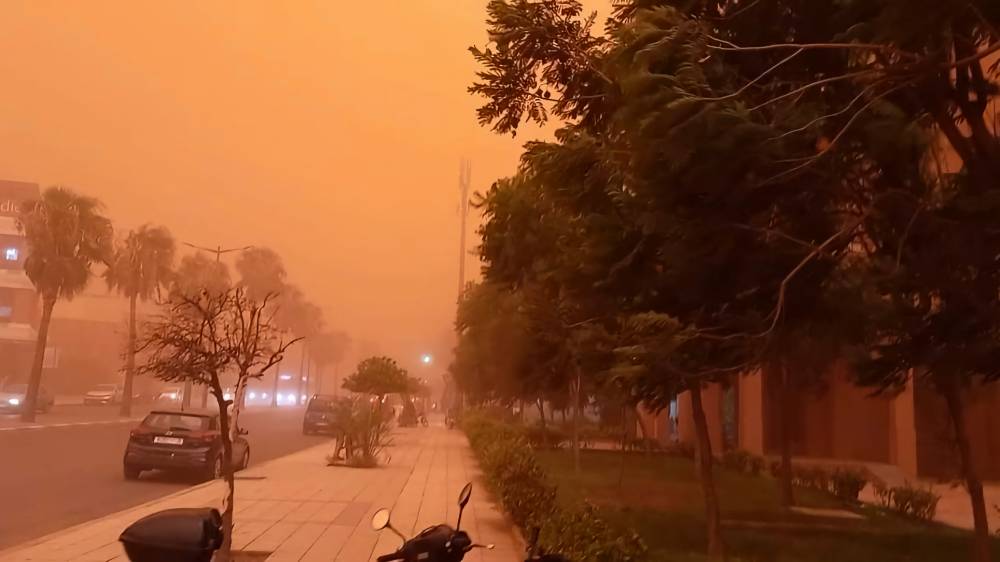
188	440
319	416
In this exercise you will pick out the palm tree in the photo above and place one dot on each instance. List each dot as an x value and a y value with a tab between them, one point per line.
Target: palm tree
66	233
140	265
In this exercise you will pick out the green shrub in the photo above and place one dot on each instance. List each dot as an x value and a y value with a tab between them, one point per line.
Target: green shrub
680	449
847	483
908	500
545	437
643	444
815	477
742	461
579	534
513	473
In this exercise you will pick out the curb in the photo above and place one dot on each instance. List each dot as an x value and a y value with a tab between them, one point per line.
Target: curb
52	536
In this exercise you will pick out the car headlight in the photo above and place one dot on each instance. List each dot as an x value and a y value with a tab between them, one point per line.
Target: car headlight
14	401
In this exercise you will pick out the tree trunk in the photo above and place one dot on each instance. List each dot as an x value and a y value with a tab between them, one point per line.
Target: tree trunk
647	435
302	375
541	412
126	409
320	372
186	398
204	397
621	469
576	420
787	493
277	377
981	545
703	462
35	381
227	429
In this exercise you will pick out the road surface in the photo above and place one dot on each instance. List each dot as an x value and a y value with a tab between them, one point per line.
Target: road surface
70	470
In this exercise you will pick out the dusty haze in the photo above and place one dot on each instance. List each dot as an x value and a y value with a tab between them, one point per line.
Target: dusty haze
330	131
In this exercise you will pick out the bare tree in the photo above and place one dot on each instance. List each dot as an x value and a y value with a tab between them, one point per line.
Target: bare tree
200	338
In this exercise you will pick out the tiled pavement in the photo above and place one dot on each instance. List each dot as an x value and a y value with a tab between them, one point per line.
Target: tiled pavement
298	508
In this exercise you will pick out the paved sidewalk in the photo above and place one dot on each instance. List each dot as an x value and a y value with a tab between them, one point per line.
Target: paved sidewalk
298	508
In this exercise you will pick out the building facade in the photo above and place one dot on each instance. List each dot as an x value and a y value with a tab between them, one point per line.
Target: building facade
19	306
842	423
87	334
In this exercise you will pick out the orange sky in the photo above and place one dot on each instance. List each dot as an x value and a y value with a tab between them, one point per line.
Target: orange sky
326	129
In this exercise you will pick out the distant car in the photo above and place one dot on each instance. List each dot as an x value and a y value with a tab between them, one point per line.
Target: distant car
319	415
176	440
172	394
104	394
12	399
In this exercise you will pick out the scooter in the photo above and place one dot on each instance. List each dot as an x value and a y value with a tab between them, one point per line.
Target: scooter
439	543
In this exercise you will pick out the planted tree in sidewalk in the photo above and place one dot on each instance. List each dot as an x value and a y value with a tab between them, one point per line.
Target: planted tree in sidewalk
141	264
66	234
199	339
379	377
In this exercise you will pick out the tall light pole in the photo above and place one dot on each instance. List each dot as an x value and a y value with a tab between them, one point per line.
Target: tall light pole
218	251
464	182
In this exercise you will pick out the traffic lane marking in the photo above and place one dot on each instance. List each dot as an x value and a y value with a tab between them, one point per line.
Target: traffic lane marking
68	424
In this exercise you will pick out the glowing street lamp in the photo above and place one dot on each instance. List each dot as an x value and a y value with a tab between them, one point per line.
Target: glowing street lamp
426	359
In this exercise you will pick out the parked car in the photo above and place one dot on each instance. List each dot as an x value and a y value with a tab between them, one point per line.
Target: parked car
12	399
181	440
104	394
319	415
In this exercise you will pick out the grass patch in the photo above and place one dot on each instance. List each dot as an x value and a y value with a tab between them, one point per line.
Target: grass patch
660	498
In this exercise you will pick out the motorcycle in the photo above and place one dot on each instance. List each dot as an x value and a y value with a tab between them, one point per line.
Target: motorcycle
439	543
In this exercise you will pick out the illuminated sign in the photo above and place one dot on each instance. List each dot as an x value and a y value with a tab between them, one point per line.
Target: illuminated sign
10	254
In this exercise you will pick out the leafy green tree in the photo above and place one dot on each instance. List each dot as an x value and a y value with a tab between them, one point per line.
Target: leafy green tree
140	265
66	234
379	376
761	153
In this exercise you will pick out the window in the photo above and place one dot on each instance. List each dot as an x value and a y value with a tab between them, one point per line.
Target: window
10	254
6	311
176	422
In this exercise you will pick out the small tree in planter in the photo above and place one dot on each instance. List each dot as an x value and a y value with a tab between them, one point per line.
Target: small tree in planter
362	433
201	337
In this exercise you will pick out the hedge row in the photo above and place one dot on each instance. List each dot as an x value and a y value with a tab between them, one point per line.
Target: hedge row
520	484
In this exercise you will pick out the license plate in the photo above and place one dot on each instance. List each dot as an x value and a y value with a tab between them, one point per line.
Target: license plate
168	440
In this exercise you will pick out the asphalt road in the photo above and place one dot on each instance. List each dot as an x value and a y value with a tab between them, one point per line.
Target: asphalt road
70	471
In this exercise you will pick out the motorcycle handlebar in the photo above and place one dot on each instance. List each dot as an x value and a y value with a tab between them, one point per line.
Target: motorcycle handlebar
390	557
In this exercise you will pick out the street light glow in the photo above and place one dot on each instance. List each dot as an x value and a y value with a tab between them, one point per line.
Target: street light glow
426	359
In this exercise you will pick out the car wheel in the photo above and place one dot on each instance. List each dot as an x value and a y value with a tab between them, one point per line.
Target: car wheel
132	473
246	459
214	471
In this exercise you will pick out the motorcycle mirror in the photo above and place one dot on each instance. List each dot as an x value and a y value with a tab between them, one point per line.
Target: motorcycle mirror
380	520
464	495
